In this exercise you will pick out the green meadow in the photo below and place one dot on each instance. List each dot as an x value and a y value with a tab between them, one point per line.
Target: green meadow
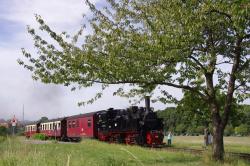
232	144
20	152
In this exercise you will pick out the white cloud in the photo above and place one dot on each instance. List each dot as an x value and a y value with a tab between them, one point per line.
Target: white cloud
61	13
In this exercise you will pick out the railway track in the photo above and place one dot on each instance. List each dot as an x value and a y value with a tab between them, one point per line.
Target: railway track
245	156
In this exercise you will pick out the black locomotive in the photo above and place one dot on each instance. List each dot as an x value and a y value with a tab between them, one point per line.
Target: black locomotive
135	125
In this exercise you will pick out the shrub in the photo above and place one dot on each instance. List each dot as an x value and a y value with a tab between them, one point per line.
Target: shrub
229	130
242	130
180	128
39	136
199	129
191	131
3	131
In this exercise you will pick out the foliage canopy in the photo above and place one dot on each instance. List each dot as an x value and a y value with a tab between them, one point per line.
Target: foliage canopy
150	43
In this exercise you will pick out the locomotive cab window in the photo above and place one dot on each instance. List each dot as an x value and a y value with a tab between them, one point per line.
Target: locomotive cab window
89	122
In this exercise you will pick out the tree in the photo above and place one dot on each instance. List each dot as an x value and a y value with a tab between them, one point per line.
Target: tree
43	119
170	118
197	46
193	110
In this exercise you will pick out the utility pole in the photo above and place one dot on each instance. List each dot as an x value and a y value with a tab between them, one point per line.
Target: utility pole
23	114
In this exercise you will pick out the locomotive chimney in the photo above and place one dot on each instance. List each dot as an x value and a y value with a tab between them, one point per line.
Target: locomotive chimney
147	103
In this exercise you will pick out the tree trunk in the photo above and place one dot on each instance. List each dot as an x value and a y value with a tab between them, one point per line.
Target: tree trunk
218	145
218	130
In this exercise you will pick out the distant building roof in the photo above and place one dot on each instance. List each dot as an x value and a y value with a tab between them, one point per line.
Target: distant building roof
5	124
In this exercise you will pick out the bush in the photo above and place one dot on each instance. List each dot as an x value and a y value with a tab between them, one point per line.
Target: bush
242	130
3	131
39	136
191	131
180	128
229	130
200	129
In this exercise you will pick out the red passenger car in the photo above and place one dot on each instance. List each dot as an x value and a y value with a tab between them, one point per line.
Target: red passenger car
31	129
54	128
81	126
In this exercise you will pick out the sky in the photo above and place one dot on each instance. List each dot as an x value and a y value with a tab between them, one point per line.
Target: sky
17	89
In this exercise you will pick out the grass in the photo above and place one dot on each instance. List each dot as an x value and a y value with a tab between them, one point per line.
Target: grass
88	152
232	144
2	138
14	151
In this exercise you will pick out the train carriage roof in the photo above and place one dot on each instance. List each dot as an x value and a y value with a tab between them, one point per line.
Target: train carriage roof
54	120
31	123
81	115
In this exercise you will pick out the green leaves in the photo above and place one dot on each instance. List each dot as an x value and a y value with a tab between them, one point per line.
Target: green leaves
146	44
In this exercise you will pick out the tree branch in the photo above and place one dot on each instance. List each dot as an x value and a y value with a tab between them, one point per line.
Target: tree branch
231	84
198	63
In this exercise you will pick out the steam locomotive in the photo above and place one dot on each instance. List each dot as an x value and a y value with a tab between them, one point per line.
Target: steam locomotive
135	125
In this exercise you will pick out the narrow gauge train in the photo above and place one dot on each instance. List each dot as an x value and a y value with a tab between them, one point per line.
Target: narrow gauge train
135	125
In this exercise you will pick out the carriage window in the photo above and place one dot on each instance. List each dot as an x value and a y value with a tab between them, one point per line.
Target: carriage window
89	122
54	126
69	124
59	125
77	123
50	126
73	124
